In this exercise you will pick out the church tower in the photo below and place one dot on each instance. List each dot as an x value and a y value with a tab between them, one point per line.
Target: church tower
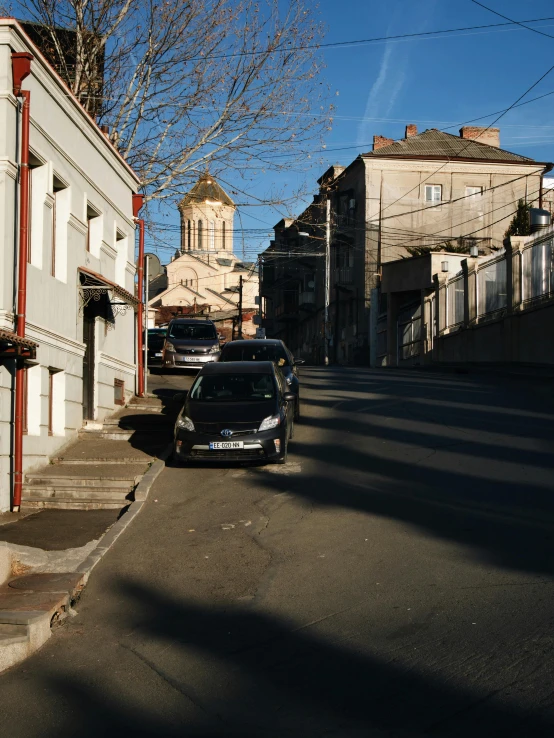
207	215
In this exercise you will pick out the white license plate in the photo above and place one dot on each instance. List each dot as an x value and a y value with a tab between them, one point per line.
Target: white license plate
156	355
194	359
226	445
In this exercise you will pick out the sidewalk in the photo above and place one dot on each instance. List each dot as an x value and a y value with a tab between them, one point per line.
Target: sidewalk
73	510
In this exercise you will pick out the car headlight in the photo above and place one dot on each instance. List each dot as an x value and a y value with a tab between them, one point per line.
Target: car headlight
214	350
271	422
170	347
184	423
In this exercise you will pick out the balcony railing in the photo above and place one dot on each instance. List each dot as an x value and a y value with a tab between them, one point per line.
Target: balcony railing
307	298
344	275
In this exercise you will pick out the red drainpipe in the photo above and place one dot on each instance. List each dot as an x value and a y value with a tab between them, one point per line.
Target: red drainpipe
138	202
21	68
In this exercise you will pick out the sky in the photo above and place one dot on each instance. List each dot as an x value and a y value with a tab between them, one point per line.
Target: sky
437	82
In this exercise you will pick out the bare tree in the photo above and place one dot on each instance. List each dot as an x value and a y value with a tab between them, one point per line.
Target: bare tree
186	84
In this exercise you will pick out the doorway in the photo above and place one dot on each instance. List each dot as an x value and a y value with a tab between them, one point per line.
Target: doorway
89	360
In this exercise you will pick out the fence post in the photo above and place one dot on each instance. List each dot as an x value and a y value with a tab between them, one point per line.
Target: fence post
469	269
514	271
440	302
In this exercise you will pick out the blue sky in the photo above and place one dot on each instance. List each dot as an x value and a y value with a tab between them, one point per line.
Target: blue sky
437	82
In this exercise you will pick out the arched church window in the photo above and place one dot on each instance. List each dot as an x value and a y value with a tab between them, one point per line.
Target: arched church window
188	235
211	234
200	235
223	235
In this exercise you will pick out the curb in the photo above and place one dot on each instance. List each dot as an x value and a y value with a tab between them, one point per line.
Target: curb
141	494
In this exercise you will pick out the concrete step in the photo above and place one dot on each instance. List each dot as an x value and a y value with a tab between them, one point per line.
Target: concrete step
70	503
108	494
117	434
62	461
86	475
11	633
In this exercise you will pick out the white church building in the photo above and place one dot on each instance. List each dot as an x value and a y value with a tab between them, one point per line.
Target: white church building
205	273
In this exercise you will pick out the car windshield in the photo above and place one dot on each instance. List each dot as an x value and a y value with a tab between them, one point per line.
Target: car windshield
195	331
256	352
233	388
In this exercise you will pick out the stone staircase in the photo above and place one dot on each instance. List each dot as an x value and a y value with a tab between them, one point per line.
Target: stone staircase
102	468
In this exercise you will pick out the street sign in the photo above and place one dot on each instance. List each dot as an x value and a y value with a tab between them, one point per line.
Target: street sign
260	332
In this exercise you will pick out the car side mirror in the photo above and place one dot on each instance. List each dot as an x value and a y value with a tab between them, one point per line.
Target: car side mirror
289	397
299	362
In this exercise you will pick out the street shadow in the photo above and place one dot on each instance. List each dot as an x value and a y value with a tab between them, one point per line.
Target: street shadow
262	676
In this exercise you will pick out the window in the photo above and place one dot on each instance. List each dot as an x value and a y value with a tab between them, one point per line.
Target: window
60	217
188	235
223	235
200	235
211	232
119	392
433	193
50	402
474	191
92	213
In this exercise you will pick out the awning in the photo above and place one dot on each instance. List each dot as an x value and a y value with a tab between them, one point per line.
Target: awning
93	286
13	346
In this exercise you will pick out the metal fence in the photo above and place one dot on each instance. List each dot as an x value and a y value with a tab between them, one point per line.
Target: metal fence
538	270
455	301
492	295
409	332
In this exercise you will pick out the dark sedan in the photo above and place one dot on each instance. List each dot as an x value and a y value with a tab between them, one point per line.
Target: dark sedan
156	340
267	349
237	411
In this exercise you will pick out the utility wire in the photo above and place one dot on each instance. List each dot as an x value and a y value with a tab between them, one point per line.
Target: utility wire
510	20
357	42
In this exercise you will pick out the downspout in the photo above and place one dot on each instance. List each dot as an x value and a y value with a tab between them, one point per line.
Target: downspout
548	168
21	68
138	202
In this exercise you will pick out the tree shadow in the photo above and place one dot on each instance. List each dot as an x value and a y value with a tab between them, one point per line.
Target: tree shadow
262	676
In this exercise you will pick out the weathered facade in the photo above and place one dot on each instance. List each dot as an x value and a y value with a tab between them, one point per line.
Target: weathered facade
80	272
428	191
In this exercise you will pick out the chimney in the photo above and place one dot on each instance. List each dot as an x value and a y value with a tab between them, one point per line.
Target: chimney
380	141
411	130
489	136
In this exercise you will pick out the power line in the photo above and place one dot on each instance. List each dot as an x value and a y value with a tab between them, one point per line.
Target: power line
358	42
510	20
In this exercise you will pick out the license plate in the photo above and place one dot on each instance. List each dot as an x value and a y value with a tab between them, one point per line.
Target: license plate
226	445
156	355
195	359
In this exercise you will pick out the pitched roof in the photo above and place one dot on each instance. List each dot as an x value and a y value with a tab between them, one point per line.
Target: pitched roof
437	143
206	189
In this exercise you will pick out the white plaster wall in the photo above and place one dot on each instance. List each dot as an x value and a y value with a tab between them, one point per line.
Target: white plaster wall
72	149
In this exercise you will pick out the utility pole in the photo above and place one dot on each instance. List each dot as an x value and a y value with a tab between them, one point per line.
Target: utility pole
327	278
240	308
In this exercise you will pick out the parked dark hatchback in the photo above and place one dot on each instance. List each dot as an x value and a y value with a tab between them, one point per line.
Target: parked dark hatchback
267	349
237	411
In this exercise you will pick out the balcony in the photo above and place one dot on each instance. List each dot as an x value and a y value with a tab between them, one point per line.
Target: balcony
344	275
288	309
306	300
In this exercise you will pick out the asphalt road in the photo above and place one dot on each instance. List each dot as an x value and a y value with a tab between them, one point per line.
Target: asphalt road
395	579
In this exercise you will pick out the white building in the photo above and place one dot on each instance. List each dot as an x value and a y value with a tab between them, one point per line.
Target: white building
81	271
205	271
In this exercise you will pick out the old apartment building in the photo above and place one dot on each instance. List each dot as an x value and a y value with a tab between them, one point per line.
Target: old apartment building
428	191
76	356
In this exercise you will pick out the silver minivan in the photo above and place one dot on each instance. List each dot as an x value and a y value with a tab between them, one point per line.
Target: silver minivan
190	343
